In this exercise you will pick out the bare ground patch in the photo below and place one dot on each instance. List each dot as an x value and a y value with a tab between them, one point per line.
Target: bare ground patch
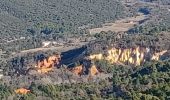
120	25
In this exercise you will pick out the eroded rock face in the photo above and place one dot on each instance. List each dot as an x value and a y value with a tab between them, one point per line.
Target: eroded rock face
22	91
47	72
134	56
47	64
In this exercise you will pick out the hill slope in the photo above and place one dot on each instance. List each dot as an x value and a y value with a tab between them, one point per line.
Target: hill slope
57	15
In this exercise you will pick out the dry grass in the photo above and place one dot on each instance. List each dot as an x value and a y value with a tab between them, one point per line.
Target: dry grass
120	25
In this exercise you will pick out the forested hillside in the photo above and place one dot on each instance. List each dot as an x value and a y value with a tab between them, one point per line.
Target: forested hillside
159	20
22	18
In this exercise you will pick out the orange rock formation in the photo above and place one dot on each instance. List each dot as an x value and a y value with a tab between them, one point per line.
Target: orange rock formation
22	91
78	70
47	65
93	70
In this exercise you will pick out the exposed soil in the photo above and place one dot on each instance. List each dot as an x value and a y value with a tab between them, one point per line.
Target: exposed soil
122	25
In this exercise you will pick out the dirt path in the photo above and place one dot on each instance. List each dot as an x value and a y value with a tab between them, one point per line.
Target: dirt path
58	49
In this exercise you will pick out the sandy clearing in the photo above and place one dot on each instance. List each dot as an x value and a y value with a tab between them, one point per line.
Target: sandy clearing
119	25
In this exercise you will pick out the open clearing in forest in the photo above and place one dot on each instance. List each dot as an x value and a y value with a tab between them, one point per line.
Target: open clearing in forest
122	25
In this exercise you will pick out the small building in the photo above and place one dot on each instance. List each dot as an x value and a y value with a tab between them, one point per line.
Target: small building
1	73
169	9
46	43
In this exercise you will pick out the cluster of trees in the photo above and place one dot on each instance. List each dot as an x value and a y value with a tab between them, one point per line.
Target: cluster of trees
53	16
104	66
5	92
24	25
23	44
147	82
157	22
103	90
149	29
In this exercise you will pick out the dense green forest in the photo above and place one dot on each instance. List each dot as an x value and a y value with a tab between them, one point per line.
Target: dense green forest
147	82
26	24
159	21
62	92
41	16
